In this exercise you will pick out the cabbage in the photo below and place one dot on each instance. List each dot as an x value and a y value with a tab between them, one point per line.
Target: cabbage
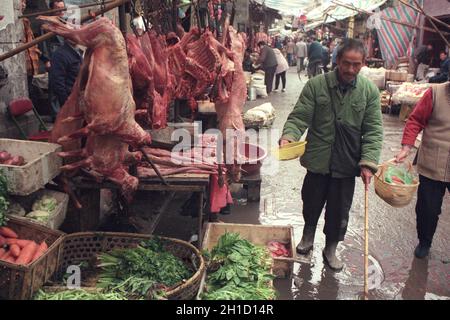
45	203
39	215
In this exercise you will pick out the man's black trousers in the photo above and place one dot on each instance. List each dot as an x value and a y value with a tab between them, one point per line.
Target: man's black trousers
269	74
428	207
337	194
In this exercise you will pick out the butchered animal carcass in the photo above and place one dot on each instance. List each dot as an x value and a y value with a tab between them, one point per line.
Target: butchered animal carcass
101	106
152	81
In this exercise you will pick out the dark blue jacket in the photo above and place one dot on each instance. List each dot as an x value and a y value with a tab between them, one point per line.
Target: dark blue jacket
66	62
445	66
315	52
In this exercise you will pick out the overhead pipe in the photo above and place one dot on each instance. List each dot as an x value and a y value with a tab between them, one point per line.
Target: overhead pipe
25	46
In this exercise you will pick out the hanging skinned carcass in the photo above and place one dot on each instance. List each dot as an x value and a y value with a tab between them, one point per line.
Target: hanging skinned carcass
202	64
229	111
152	81
100	108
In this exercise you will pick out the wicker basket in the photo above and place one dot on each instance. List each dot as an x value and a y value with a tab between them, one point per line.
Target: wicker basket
84	246
396	195
21	282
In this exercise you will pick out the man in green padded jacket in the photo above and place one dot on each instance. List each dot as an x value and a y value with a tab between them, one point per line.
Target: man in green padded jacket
342	113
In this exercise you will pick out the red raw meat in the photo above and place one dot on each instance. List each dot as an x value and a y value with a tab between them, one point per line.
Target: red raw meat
152	82
101	106
229	113
278	249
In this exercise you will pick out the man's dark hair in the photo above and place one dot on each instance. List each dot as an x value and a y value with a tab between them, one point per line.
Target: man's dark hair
443	52
261	43
53	2
349	45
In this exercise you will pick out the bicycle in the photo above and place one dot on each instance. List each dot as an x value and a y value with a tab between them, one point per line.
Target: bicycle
315	69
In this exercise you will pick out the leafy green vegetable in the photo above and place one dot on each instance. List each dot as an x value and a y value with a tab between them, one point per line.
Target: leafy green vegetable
242	271
3	198
39	215
146	269
79	294
45	203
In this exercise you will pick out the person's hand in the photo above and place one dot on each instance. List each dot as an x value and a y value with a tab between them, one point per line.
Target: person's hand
283	142
48	65
403	154
366	176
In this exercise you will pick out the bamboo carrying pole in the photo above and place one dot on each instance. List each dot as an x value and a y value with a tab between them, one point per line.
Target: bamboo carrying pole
49	35
366	243
41	13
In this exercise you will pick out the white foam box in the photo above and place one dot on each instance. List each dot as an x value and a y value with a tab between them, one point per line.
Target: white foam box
56	217
42	165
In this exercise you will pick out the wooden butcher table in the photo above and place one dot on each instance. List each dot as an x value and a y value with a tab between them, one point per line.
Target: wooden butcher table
88	192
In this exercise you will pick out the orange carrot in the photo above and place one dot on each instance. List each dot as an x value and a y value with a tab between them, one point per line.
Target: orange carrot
27	253
2	241
2	252
15	250
20	242
40	251
8	232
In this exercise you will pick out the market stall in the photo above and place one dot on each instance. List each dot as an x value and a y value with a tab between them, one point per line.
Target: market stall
107	136
408	94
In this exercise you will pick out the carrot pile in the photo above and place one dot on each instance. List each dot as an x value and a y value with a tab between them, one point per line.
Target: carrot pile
19	251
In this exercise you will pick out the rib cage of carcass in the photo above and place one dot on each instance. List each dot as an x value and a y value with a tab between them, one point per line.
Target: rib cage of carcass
186	70
100	108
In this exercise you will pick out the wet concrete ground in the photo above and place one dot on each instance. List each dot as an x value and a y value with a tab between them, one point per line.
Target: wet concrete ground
394	273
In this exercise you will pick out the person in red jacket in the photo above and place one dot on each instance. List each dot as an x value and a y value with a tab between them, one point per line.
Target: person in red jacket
432	115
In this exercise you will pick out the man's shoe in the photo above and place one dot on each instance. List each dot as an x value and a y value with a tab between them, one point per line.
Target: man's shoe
284	90
421	251
306	244
332	262
330	258
276	90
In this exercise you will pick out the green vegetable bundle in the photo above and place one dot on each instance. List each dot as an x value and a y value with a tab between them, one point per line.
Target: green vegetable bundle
79	294
242	271
45	203
145	270
398	175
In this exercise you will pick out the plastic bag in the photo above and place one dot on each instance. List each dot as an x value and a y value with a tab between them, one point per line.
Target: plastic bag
398	174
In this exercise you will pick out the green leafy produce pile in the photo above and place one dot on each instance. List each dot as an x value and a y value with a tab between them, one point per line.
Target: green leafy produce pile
43	209
145	270
79	294
243	271
3	199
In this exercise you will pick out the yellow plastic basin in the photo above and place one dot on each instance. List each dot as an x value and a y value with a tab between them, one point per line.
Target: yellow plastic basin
291	150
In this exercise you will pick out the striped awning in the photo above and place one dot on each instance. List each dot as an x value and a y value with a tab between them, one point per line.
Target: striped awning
397	40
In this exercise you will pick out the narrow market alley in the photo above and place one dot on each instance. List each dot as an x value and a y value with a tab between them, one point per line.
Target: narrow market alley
393	271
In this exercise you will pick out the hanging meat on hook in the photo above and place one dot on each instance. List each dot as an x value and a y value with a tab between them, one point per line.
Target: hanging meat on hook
229	112
101	106
152	81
